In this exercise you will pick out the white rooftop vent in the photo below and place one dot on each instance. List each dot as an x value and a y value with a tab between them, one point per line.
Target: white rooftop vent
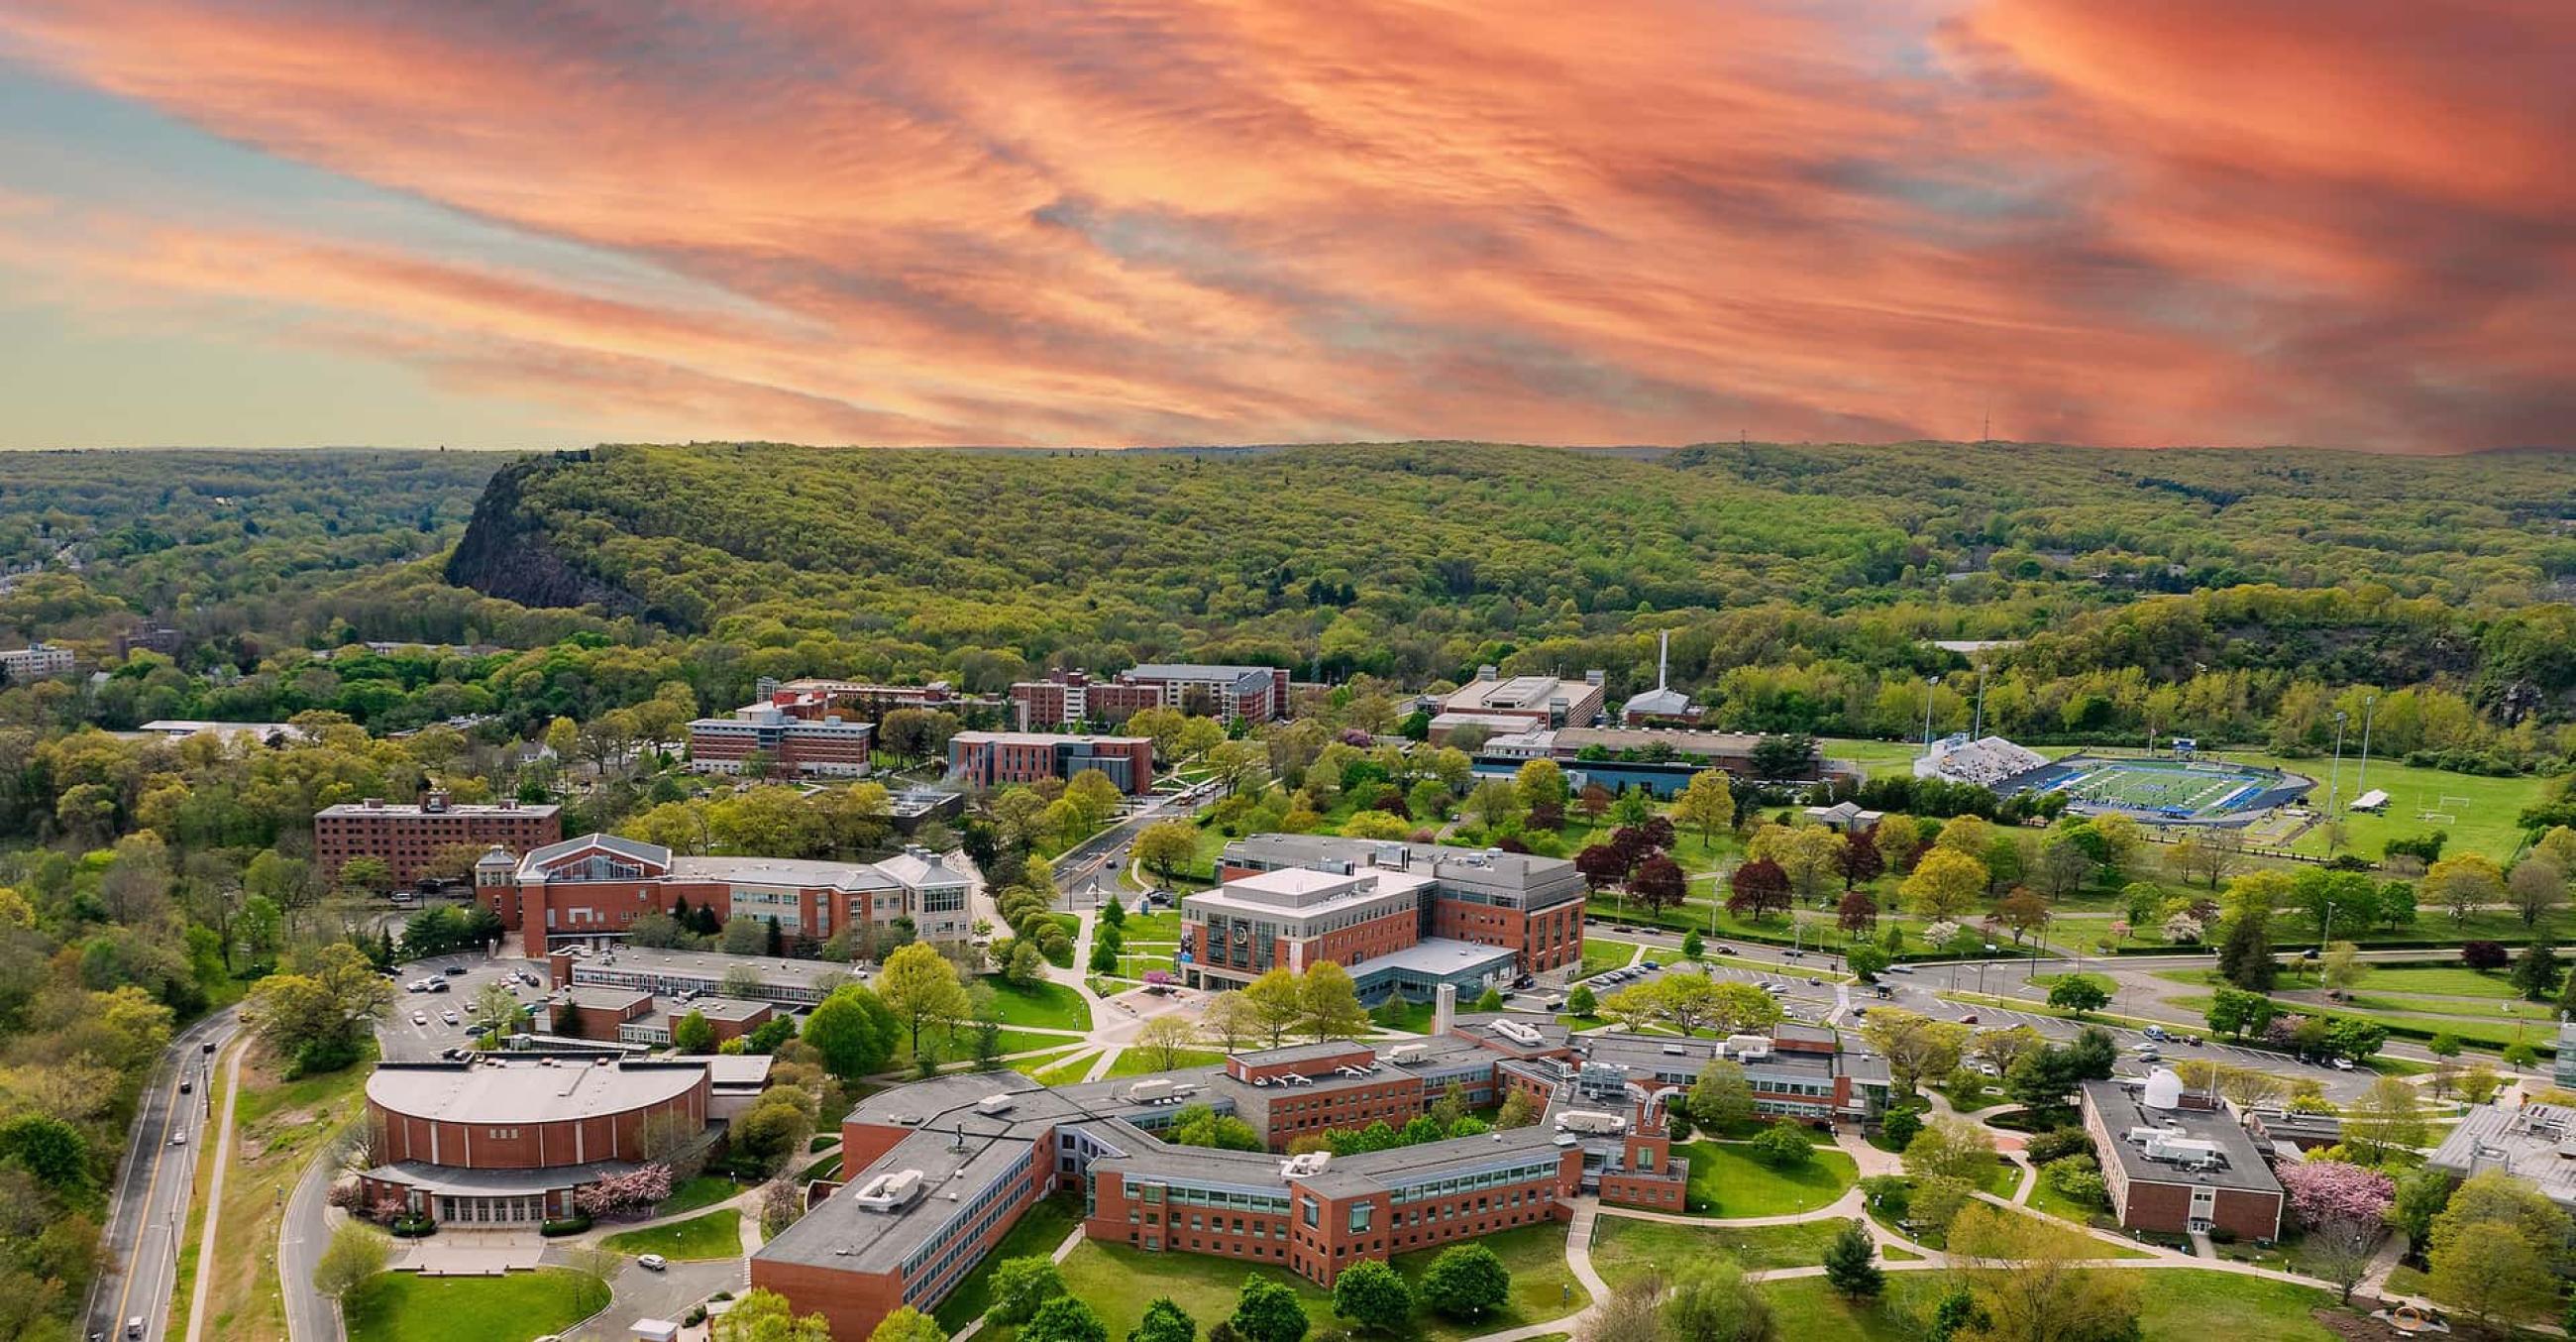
888	1192
1518	1033
1404	1053
1305	1166
2164	1090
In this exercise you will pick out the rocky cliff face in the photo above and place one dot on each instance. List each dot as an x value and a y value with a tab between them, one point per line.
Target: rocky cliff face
507	552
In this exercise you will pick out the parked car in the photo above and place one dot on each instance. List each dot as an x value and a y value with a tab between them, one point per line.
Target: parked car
447	1016
1969	1019
420	1018
1900	969
1649	964
438	985
652	1262
2343	1064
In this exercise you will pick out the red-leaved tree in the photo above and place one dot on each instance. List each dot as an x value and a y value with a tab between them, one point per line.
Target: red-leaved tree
1760	887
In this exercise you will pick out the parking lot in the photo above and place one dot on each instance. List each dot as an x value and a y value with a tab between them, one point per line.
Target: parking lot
1917	989
418	1029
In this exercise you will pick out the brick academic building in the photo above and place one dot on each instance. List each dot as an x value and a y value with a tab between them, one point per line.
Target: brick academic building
506	1139
942	1169
589	890
410	837
1396	915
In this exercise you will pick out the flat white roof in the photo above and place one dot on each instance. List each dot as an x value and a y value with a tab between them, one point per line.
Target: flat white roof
526	1090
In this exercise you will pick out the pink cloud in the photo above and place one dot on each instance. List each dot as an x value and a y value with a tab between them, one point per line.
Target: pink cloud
1153	222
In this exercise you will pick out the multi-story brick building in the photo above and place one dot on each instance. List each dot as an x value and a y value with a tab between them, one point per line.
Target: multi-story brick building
410	837
1529	906
828	746
2177	1163
1072	698
869	701
588	890
1368	921
942	1169
993	759
1227	693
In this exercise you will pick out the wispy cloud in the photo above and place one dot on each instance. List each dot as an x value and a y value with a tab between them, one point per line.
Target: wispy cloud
2199	221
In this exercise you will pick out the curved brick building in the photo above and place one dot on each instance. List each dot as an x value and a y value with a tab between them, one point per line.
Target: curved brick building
506	1139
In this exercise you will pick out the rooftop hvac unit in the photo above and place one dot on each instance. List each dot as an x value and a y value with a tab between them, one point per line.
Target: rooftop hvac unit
888	1192
1404	1053
1518	1033
1589	1120
1150	1091
1675	1051
1305	1166
995	1104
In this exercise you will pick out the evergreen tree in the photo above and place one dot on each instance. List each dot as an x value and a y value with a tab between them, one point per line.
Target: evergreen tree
2245	958
2536	974
1851	1263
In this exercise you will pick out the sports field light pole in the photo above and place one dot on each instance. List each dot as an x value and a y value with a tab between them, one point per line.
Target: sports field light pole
1930	683
2361	784
2334	789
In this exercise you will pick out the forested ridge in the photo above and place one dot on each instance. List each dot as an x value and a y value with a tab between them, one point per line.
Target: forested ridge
2235	593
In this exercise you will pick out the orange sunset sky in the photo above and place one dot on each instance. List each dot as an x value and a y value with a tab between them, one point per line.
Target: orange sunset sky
262	222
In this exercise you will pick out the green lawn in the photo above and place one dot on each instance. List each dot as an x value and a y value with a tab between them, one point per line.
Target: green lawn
1137	1061
718	1234
1726	1181
1543	1287
2434	981
1067	1073
1031	1066
406	1307
704	1191
2002	1179
1164	926
829	1167
1118	1281
2046	1199
2177	1303
2190	1303
1039	1230
1805	1309
1601	953
1624	1247
1415	1018
1048	1006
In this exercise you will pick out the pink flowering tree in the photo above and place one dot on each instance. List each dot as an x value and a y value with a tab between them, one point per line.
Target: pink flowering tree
624	1194
1158	977
2330	1190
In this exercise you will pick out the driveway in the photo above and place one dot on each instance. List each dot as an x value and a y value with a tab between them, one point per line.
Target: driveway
635	1293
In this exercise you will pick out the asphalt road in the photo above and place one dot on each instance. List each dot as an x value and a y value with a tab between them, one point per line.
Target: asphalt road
156	1179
